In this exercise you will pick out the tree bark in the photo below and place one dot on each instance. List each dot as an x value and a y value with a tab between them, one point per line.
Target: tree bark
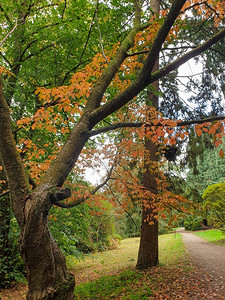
148	250
46	268
47	273
5	250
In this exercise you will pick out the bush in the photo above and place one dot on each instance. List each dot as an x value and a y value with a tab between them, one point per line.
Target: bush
129	224
83	228
193	223
214	204
12	267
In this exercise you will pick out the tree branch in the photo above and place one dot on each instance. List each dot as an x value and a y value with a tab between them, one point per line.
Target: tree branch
145	78
138	125
126	211
100	38
5	58
17	180
4	193
5	14
41	50
160	39
59	194
64	162
183	59
9	33
108	74
83	199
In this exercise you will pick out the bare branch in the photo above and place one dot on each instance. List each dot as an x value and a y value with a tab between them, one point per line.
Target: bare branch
83	199
9	33
4	193
100	37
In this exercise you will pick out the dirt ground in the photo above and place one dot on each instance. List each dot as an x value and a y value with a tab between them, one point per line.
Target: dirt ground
210	258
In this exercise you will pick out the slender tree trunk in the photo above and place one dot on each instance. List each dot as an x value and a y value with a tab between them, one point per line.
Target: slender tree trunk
148	249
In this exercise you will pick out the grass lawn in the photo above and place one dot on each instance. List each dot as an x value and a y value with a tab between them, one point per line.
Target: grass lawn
171	250
213	235
113	276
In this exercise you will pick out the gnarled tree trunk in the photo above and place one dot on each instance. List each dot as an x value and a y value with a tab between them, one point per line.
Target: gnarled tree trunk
47	273
46	269
5	250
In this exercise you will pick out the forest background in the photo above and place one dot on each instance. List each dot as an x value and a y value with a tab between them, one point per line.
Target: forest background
59	60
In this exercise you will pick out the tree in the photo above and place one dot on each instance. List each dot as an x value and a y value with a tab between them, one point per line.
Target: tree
206	166
47	273
41	53
148	250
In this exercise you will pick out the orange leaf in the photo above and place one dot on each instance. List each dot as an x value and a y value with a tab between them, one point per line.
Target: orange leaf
221	153
182	136
199	132
172	141
218	142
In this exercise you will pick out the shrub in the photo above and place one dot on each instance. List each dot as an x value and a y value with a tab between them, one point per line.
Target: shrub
214	204
83	228
12	267
193	223
128	224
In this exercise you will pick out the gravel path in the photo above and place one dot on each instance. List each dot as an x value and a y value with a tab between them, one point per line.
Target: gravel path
210	258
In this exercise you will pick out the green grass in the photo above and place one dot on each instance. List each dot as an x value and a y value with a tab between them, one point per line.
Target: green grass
215	236
108	287
128	284
171	248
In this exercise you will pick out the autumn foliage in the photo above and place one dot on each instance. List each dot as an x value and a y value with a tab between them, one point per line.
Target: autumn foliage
61	107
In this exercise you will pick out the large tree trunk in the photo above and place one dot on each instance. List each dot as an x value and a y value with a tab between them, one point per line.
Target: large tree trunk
47	273
148	249
5	250
46	268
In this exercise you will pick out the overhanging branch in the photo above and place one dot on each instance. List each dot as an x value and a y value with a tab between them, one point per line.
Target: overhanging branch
183	59
138	125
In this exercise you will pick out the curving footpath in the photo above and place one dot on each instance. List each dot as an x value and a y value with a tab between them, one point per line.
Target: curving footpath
210	258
